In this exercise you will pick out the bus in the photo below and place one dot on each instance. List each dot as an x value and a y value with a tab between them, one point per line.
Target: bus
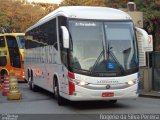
12	54
83	54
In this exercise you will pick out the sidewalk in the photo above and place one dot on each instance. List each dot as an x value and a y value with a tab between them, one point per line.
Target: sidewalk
153	94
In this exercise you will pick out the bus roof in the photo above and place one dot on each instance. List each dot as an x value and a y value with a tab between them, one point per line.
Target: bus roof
13	34
85	12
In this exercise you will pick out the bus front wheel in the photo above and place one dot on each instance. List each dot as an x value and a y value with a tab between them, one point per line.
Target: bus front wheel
60	100
4	73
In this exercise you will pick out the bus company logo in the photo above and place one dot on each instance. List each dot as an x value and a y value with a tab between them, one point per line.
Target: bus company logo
108	86
107	82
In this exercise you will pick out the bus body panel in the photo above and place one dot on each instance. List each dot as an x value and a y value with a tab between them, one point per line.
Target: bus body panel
44	66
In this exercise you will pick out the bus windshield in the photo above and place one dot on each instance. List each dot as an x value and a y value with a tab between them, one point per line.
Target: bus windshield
21	41
13	51
102	46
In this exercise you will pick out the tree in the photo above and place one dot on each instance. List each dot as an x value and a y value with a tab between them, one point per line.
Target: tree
83	3
19	16
150	9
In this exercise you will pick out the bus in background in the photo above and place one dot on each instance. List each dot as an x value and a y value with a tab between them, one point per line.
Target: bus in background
83	53
12	54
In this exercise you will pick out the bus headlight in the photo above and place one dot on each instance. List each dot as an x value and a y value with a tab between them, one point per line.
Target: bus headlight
131	82
3	52
81	83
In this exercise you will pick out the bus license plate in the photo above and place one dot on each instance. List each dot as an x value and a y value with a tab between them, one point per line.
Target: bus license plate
107	94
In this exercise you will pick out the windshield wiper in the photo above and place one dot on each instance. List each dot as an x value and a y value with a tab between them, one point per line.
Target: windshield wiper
115	59
98	59
109	53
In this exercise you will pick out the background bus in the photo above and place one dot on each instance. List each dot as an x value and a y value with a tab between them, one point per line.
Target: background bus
12	54
83	53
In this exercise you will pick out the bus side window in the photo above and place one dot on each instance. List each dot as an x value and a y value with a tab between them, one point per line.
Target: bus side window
2	41
51	32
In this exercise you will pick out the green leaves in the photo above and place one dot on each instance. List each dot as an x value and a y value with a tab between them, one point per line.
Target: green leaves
83	2
17	15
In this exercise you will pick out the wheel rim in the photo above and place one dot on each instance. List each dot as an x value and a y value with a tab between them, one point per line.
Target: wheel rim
32	84
29	79
56	91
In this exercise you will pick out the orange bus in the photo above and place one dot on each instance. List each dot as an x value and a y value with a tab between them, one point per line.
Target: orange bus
12	54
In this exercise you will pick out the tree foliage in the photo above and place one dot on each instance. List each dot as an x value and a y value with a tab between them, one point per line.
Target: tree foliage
83	3
150	9
18	16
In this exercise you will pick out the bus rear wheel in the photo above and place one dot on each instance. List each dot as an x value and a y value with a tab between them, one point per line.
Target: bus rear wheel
32	86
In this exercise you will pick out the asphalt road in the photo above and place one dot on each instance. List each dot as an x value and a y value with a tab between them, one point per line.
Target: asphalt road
41	105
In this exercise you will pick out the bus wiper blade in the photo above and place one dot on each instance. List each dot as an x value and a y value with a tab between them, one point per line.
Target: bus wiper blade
110	53
98	59
115	59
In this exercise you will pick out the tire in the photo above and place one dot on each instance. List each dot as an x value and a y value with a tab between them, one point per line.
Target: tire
28	76
60	100
29	80
3	74
54	88
32	86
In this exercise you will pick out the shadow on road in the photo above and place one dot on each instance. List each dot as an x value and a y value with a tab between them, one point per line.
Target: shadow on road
42	94
87	105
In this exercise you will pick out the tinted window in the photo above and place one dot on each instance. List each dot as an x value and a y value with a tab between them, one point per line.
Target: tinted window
2	41
43	35
3	61
11	41
13	51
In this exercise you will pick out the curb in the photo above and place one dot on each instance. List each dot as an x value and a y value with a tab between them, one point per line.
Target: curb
150	94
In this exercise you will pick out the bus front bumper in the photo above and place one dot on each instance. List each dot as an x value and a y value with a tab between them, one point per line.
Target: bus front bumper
83	94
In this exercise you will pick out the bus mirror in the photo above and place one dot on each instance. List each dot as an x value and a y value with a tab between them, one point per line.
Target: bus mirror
65	37
145	39
143	33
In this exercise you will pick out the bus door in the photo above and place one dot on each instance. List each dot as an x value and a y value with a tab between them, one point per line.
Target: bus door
13	51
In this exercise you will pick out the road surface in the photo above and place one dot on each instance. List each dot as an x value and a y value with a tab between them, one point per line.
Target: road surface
41	105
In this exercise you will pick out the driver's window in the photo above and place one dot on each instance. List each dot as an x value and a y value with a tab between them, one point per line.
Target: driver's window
2	41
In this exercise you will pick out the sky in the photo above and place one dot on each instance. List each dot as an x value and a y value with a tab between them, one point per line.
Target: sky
46	1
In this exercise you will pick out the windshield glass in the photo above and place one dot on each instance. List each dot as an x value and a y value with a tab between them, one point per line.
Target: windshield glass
87	43
102	46
21	41
121	43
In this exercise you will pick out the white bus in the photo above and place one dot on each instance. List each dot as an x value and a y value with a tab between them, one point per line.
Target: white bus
82	54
